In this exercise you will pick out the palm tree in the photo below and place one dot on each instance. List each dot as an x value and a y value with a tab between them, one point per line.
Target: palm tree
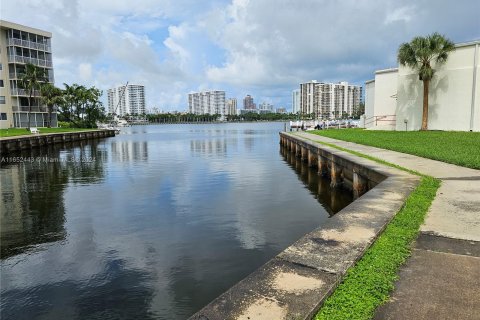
419	54
51	96
30	80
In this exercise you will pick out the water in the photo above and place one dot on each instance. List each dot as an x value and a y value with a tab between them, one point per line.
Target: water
152	224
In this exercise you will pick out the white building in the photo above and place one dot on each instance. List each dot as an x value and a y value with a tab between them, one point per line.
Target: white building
329	100
296	101
394	99
125	100
207	102
265	107
20	45
231	107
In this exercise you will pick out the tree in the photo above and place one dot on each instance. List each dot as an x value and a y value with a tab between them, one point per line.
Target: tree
51	96
30	80
419	54
81	106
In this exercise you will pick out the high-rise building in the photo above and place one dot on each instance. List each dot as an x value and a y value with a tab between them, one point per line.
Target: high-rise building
129	99
207	102
329	100
231	108
248	103
265	107
296	101
20	45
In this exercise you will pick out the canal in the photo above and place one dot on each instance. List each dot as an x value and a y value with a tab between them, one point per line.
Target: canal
151	224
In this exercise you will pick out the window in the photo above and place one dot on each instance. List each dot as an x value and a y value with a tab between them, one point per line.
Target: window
0	66
1	84
3	116
2	99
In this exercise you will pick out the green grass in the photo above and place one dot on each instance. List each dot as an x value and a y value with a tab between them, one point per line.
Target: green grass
460	148
368	284
22	131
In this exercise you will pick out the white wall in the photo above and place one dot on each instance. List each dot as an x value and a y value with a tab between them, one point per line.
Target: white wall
450	96
369	101
380	100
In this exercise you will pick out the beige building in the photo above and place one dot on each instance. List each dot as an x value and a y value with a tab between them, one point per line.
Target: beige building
329	100
454	95
20	45
231	106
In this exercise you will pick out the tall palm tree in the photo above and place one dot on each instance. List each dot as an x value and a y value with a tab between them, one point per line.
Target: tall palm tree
51	96
419	54
30	80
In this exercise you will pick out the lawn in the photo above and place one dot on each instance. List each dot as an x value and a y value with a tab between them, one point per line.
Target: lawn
368	284
22	131
460	148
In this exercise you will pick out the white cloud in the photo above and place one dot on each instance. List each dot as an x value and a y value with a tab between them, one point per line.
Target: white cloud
262	47
401	14
85	71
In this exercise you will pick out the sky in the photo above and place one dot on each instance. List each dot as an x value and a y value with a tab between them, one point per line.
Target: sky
264	48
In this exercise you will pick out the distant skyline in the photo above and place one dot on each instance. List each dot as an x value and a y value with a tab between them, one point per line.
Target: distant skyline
262	48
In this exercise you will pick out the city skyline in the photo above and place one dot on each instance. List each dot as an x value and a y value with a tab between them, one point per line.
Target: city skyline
242	47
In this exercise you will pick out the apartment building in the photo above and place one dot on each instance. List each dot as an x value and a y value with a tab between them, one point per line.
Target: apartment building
231	108
296	101
248	103
329	100
207	102
20	45
129	99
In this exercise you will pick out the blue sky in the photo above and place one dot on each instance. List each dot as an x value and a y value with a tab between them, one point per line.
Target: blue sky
264	47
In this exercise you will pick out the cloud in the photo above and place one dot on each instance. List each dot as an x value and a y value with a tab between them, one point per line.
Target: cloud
85	71
262	47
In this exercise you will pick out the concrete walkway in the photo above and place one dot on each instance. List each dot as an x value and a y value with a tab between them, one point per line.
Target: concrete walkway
441	280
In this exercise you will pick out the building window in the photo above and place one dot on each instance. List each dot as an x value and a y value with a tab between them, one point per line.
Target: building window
2	99
1	83
1	68
3	116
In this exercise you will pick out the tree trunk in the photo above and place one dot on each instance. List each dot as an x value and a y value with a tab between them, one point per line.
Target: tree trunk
50	117
29	109
425	105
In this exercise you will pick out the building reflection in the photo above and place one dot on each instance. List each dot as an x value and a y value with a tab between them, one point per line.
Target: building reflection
127	151
32	208
208	147
332	199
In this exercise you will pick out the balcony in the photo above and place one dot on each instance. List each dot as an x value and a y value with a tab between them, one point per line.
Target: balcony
29	44
23	92
34	109
37	62
17	76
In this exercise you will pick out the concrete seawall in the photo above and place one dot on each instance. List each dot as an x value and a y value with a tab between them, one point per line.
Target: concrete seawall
13	144
295	283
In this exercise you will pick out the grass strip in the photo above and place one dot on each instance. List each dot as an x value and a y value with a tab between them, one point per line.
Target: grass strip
460	148
368	283
12	132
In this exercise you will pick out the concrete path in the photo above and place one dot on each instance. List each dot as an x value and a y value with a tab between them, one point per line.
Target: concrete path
441	280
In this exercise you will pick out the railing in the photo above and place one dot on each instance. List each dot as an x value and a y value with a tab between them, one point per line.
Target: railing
23	92
15	76
27	108
37	62
389	119
29	44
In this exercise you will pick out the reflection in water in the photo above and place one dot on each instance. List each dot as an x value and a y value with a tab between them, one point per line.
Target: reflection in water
126	151
31	198
332	199
217	147
151	224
